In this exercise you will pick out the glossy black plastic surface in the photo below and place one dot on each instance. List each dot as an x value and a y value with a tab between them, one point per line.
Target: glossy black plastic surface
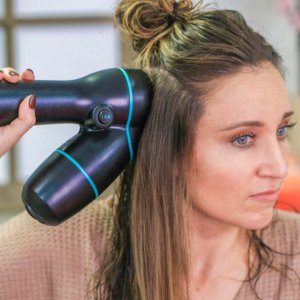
58	189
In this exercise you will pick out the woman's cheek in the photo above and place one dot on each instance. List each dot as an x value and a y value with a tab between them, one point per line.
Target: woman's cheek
223	176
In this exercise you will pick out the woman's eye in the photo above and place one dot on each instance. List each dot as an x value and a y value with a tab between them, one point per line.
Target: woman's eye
245	137
282	130
243	140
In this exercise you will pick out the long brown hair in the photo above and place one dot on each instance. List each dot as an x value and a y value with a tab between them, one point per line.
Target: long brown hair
147	257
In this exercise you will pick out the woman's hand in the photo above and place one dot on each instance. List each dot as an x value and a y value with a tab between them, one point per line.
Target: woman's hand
12	133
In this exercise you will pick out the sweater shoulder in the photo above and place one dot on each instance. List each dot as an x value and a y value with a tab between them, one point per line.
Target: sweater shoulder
60	260
284	230
282	237
286	224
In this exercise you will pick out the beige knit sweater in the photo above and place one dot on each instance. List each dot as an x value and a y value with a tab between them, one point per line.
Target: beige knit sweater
39	262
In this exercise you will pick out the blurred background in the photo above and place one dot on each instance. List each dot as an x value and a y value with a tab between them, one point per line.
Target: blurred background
68	39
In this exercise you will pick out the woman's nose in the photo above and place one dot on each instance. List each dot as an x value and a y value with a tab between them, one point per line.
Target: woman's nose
275	159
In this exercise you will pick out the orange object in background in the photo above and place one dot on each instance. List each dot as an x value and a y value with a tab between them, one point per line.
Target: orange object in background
289	193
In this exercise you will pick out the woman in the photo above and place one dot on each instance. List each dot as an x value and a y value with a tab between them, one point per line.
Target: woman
188	222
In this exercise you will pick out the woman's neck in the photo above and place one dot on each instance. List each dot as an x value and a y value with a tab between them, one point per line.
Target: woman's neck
216	248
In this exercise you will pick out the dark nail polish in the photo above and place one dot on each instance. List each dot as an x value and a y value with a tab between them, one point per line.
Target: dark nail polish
32	101
12	73
30	70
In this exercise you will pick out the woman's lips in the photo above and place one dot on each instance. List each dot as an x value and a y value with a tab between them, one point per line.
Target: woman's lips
266	196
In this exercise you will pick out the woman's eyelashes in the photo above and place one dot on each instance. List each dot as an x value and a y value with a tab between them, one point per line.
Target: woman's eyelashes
243	139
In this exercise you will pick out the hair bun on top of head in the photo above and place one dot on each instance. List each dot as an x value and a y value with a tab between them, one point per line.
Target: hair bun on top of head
172	16
146	20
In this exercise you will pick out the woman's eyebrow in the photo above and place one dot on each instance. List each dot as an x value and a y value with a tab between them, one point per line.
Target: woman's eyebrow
253	123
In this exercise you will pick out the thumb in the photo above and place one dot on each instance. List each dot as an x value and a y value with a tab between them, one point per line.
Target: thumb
27	111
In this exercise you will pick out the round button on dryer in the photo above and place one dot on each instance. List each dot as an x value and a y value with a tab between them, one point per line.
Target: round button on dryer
105	116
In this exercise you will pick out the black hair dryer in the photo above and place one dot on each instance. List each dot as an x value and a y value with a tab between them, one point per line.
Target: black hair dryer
111	106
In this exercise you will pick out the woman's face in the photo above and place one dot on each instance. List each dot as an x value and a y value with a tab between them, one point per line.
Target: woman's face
230	167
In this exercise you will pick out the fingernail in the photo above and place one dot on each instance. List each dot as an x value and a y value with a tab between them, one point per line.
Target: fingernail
12	73
32	101
30	70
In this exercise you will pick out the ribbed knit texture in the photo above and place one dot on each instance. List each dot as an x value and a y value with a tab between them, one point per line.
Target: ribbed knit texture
39	262
282	235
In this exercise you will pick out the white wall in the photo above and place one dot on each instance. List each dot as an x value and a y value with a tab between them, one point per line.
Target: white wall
63	7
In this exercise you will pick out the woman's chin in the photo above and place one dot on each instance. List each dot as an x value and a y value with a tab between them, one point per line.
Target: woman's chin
260	219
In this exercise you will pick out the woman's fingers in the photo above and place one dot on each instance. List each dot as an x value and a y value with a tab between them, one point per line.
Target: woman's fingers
10	75
11	134
27	75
